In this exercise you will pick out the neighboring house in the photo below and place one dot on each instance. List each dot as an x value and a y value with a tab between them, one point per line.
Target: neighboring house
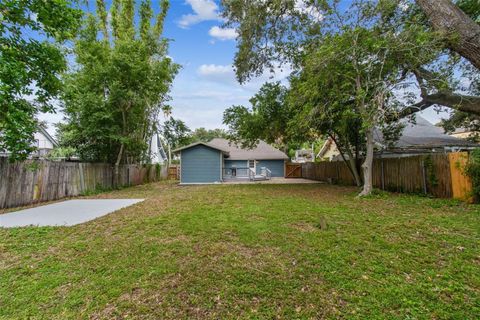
419	138
219	160
303	155
329	151
156	151
43	141
467	134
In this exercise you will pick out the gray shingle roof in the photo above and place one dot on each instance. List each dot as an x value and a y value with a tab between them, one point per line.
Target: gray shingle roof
423	134
263	151
200	143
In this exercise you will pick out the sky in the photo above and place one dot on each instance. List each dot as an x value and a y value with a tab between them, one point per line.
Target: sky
206	84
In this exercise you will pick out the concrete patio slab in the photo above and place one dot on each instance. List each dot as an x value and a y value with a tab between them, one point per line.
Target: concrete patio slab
65	213
274	181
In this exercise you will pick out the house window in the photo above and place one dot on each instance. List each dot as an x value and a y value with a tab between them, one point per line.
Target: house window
251	164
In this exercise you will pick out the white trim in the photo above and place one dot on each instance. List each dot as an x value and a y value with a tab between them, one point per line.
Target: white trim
197	144
180	167
221	167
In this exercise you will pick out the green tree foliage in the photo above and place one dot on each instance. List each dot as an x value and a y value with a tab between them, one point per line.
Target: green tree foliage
355	96
114	96
205	135
31	60
271	32
471	8
353	59
176	133
472	169
267	119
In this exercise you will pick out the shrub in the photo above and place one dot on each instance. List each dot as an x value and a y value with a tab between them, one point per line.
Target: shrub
472	169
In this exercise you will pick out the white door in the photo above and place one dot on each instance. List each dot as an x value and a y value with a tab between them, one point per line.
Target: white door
252	165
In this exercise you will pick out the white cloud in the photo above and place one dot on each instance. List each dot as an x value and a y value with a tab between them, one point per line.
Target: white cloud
222	74
214	69
225	75
204	10
223	34
308	9
227	95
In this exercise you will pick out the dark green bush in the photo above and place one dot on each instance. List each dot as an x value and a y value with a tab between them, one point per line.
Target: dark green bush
472	169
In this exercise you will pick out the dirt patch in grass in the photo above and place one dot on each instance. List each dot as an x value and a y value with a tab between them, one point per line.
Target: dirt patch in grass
304	227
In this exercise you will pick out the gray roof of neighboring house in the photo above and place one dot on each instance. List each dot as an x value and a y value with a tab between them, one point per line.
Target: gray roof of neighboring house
263	151
423	134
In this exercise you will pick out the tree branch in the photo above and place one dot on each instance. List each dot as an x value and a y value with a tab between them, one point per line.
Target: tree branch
462	34
469	104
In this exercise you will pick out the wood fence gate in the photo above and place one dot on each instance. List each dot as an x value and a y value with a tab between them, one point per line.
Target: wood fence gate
174	172
293	170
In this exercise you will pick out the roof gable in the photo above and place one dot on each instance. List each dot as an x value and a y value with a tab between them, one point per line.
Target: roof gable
201	143
47	136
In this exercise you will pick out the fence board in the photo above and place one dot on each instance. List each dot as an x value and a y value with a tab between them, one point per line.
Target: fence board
174	172
461	184
31	181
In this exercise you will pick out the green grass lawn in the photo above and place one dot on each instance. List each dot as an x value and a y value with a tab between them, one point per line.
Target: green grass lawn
249	251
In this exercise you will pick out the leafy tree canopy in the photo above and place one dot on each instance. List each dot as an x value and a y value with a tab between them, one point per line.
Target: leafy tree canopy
205	135
267	119
115	95
283	31
352	60
31	60
176	133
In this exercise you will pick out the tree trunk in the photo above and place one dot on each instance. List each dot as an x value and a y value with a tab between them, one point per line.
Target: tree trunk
116	175
116	178
354	169
351	162
367	165
169	155
462	33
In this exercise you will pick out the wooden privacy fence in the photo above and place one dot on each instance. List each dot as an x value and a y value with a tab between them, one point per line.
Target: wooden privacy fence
32	181
440	175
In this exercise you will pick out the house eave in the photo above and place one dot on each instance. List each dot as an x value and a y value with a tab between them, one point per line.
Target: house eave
226	153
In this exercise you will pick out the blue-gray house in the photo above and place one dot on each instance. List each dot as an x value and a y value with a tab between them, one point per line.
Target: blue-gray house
220	160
